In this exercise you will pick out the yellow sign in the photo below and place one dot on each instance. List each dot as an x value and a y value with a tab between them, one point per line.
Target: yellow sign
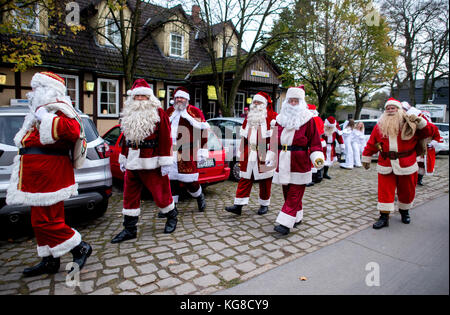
259	73
212	95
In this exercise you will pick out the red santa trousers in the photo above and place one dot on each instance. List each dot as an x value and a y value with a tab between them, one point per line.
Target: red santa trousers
292	210
245	187
53	236
406	191
157	185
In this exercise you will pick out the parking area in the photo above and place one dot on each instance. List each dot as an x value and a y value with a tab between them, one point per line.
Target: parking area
212	250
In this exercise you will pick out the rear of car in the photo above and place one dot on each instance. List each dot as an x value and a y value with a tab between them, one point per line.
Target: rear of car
94	178
442	147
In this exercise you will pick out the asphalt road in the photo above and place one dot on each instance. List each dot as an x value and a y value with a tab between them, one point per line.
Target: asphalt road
400	259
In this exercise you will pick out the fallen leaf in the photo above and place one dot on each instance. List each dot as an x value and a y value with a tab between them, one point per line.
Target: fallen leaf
303	278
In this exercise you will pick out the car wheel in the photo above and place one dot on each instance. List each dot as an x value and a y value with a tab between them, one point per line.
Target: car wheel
100	209
235	171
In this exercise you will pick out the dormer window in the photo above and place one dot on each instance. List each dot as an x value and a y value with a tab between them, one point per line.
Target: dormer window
176	45
229	51
112	33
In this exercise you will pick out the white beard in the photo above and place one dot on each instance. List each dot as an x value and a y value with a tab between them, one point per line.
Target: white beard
329	131
257	115
138	119
292	117
180	106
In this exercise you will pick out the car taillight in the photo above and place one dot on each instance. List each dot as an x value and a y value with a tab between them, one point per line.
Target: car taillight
103	150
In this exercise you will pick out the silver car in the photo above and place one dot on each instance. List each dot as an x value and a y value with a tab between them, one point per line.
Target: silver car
94	178
228	129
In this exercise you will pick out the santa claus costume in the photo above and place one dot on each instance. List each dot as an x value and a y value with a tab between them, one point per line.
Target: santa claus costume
427	161
299	144
395	137
189	136
330	136
42	175
317	174
255	137
146	149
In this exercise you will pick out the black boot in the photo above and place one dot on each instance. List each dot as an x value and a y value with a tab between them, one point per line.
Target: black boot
81	253
171	223
263	210
161	215
297	223
130	231
283	230
48	265
236	209
382	221
405	216
310	184
419	180
317	177
325	172
201	202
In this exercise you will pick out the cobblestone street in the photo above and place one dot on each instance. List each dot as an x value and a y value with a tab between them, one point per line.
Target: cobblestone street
213	250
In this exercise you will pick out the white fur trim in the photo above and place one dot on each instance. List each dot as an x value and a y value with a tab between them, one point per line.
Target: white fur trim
39	78
299	216
422	124
132	212
329	124
241	201
175	198
122	159
421	171
293	178
396	168
244	132
43	251
295	92
286	220
385	206
197	193
395	103
316	155
186	178
67	246
140	91
264	202
384	169
182	94
405	206
366	159
259	97
165	160
168	208
15	196
252	168
134	162
413	111
46	129
193	122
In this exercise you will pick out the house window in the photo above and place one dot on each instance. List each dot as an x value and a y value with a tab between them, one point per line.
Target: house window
239	104
72	88
176	45
198	98
350	116
364	116
108	98
169	94
29	17
112	33
229	51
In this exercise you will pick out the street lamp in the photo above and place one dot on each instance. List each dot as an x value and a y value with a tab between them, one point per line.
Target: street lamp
89	87
161	93
2	81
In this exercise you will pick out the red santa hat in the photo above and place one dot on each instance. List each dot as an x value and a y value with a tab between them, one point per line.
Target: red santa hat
264	98
330	122
140	87
49	79
426	115
296	92
405	106
393	101
181	92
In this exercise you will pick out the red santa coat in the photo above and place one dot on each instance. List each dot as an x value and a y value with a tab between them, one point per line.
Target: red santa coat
254	146
42	179
294	167
406	165
329	151
429	160
189	137
136	158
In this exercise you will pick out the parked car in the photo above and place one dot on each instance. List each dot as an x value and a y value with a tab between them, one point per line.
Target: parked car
94	178
213	170
369	124
228	130
442	148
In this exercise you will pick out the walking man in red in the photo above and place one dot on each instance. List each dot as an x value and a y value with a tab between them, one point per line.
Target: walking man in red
330	136
43	176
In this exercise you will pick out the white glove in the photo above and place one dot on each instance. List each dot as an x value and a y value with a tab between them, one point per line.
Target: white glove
318	163
41	113
270	158
122	167
165	170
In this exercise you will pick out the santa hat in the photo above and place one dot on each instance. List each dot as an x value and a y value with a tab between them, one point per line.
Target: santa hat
313	109
393	101
181	92
296	92
140	87
405	106
427	115
264	98
330	122
49	79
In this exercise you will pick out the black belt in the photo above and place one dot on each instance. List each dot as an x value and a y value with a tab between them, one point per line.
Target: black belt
392	155
46	151
285	148
146	144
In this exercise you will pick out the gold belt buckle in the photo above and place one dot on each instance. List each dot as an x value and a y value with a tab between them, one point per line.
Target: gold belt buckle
284	147
254	147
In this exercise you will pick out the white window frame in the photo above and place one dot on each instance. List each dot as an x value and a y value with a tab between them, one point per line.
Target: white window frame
36	23
116	37
199	98
211	110
243	104
77	88
99	92
182	45
168	98
229	53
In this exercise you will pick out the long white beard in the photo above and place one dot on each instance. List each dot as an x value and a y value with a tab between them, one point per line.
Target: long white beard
180	106
292	117
390	125
139	118
329	131
257	115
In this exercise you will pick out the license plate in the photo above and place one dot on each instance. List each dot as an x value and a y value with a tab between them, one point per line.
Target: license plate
206	163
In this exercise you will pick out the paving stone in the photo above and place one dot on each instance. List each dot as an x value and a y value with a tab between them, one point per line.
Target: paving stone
143	280
246	266
118	261
229	274
147	268
207	280
168	283
186	288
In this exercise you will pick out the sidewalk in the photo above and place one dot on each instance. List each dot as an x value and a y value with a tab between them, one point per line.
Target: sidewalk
412	259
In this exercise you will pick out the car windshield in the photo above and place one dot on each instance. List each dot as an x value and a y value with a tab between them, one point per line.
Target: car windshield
368	127
225	128
213	142
442	127
111	136
10	125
